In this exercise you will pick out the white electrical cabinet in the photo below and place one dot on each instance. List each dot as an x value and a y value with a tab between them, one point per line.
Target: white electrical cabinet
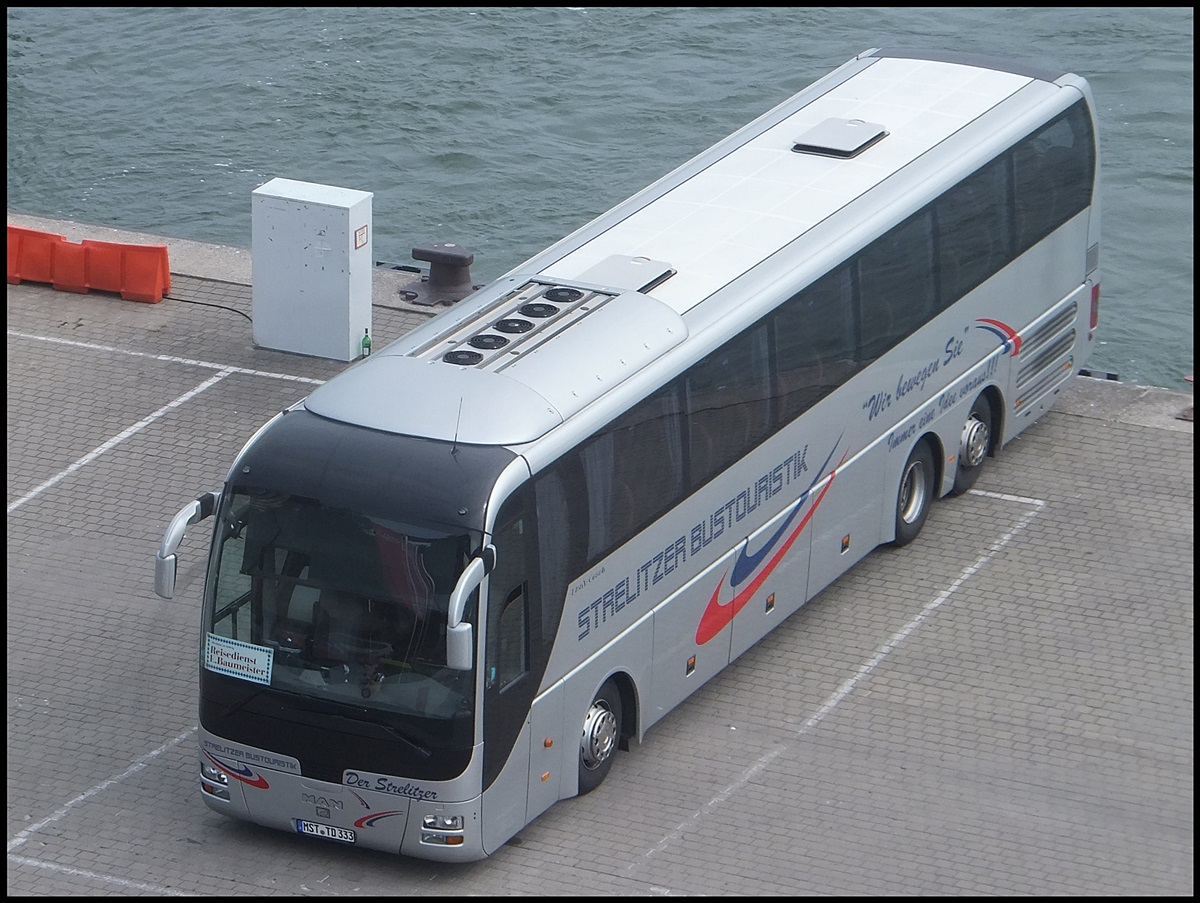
312	268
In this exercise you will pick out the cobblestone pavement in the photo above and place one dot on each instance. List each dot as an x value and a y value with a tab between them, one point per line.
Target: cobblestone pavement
1004	707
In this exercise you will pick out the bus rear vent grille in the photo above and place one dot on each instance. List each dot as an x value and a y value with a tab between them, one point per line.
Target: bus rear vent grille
1048	330
1046	357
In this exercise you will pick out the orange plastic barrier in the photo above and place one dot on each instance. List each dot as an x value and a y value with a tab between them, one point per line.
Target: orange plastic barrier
137	272
31	255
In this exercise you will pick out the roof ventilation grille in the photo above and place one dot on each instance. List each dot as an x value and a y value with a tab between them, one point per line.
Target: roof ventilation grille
561	295
462	358
525	319
488	342
513	325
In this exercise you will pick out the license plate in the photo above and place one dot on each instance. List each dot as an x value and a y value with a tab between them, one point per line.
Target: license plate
329	832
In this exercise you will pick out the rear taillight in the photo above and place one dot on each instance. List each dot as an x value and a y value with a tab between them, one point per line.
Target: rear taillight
1095	305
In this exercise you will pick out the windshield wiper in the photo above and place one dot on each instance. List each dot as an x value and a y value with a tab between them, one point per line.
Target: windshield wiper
423	752
417	747
238	706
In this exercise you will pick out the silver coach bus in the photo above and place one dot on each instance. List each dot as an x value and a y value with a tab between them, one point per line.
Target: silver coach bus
449	585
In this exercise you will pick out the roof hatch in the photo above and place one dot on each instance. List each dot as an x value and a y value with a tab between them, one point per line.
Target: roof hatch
843	138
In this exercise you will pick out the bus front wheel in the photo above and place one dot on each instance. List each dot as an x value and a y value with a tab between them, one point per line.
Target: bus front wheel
975	445
601	732
915	494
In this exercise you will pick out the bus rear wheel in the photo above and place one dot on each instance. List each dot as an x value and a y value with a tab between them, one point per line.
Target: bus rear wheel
975	445
601	733
915	494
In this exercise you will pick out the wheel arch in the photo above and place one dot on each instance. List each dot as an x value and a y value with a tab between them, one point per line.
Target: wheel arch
948	440
938	448
630	709
995	400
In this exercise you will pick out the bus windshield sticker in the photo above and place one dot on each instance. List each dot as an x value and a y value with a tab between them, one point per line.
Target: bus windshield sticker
234	658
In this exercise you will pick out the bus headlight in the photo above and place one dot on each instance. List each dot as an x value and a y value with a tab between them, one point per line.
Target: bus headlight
442	823
443	830
214	782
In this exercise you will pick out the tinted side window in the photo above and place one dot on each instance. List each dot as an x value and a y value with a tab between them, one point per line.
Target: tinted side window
896	285
506	654
815	343
633	470
975	231
1053	172
728	404
561	509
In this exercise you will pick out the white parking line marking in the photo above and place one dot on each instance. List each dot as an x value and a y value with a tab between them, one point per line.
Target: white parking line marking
22	836
117	440
107	879
166	358
863	671
224	371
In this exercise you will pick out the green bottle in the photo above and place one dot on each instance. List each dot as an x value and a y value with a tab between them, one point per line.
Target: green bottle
366	342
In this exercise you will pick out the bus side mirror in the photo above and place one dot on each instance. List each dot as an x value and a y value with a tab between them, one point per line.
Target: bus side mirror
165	565
460	638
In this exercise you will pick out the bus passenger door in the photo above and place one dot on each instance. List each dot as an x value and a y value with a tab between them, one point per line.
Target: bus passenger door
510	677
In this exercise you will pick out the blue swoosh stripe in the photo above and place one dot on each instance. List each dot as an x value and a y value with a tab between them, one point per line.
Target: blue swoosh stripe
746	564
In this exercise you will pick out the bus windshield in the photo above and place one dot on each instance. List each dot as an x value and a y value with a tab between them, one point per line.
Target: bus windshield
335	605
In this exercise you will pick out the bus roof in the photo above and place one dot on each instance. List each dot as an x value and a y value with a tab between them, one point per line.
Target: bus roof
755	197
512	361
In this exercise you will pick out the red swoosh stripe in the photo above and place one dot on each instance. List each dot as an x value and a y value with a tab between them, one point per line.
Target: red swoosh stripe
368	821
1009	333
259	781
716	615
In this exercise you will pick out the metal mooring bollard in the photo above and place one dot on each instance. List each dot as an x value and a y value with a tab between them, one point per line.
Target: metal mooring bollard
449	278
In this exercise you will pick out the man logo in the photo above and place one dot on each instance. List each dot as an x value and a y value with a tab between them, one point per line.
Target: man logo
322	802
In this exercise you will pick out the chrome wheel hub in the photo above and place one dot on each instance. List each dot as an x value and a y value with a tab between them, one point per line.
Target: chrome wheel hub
912	492
974	442
599	735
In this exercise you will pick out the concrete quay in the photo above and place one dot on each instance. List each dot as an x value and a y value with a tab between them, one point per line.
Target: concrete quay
1004	707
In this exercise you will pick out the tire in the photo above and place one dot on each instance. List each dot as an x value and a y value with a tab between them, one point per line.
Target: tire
975	445
598	741
915	494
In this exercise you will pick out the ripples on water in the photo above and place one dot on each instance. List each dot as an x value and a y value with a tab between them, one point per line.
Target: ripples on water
503	129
